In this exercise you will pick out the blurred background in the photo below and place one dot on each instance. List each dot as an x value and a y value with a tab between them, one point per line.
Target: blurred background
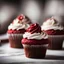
37	10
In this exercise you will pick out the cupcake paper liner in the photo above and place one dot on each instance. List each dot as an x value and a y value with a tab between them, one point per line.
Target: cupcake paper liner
35	51
15	40
56	41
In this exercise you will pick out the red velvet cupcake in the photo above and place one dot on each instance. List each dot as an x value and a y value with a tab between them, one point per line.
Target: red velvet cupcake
16	30
55	32
35	42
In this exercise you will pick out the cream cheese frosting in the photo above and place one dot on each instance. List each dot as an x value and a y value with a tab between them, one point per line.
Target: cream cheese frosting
18	24
51	24
37	36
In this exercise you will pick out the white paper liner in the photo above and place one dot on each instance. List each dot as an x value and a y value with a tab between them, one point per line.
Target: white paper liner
56	41
44	45
55	35
56	38
16	36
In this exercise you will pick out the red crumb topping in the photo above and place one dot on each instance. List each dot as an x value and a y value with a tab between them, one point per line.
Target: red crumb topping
34	28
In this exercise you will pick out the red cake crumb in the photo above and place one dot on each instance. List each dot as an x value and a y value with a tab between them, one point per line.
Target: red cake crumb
34	42
54	32
16	31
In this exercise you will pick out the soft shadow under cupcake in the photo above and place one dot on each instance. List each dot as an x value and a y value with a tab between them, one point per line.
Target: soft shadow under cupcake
53	57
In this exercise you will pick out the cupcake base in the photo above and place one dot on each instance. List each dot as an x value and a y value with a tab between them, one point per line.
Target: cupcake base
15	40
56	42
35	51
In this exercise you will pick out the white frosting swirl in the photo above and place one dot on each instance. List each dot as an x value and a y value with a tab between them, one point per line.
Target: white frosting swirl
37	36
18	24
51	24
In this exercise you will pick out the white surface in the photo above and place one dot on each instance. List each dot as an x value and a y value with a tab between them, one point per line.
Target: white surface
11	55
4	36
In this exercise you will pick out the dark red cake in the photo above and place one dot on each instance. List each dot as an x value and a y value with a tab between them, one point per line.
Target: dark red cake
54	32
20	31
34	48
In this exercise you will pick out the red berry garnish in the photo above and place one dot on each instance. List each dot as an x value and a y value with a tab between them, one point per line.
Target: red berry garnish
20	17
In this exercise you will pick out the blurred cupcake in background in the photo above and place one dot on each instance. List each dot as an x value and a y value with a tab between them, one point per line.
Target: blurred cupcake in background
55	32
35	42
16	30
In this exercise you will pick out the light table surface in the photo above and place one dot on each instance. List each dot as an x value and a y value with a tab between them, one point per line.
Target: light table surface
12	55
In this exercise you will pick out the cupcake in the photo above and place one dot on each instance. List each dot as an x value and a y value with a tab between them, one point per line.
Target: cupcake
35	42
55	32
16	30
